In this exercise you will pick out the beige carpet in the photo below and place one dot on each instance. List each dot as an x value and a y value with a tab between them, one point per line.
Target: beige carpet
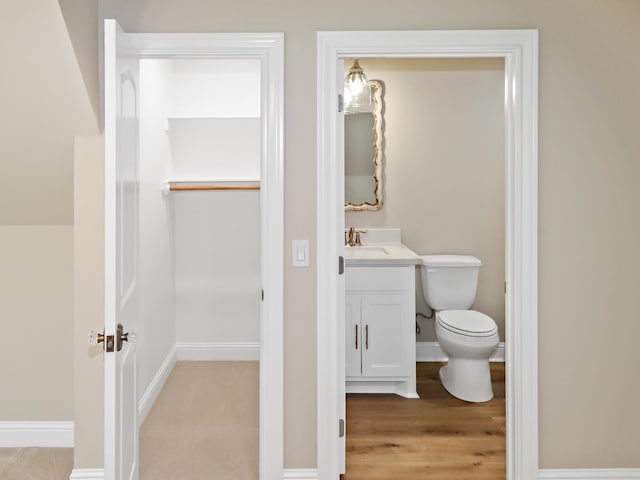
36	463
204	424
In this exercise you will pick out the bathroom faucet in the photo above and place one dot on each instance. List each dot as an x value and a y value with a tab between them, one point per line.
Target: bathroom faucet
352	239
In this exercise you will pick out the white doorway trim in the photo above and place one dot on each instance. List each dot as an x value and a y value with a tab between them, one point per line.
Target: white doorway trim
519	48
269	49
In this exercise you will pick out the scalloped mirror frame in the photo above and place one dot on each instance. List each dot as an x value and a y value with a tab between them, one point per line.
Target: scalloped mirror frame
377	96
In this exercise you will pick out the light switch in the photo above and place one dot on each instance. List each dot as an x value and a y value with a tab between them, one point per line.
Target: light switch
300	251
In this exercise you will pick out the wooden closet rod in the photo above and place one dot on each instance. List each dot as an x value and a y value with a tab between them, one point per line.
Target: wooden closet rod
177	188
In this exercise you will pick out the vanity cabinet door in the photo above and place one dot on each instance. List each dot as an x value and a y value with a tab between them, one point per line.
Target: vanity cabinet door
386	335
353	336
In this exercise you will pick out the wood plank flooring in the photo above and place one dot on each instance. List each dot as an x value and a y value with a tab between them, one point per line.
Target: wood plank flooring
434	437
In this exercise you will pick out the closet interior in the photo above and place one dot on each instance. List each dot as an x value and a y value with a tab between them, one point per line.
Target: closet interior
200	137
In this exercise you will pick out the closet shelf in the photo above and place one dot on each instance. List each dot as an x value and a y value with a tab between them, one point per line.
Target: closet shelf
192	185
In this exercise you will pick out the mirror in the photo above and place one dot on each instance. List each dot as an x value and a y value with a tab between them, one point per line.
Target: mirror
363	150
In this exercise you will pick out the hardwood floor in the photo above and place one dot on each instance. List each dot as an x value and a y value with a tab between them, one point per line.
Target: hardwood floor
434	437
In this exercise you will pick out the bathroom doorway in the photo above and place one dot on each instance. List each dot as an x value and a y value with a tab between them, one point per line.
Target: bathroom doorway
519	51
202	153
443	179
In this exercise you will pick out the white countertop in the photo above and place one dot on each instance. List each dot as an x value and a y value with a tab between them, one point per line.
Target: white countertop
380	246
380	254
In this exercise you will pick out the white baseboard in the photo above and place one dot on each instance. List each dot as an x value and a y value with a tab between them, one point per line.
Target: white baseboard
232	351
151	394
300	474
544	474
87	474
590	474
431	352
36	434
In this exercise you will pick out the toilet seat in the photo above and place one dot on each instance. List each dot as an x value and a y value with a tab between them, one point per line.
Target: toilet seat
467	322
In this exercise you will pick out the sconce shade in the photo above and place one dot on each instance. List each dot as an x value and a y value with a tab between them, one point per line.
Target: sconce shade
357	91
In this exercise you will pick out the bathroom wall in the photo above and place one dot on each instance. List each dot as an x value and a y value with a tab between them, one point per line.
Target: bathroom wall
444	174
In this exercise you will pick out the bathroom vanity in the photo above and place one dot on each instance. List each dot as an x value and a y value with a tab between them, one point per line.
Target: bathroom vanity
380	315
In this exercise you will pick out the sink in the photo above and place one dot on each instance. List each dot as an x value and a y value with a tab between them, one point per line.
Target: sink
365	251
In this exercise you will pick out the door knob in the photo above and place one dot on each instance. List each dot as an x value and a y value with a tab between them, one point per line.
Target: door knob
121	336
95	337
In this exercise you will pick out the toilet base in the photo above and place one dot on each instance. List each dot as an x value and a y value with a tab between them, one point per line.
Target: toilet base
467	379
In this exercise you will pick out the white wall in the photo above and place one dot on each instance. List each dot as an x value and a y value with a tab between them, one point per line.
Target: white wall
157	298
217	237
215	88
220	148
200	254
215	133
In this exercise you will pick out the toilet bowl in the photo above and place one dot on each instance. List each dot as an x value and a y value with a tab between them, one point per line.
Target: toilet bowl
467	337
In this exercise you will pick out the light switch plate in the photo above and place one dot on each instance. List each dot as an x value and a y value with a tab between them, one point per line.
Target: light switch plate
300	253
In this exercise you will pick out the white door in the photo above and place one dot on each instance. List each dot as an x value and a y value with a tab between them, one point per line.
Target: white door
121	253
341	289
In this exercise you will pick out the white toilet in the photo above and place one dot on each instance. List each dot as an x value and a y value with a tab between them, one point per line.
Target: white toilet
468	337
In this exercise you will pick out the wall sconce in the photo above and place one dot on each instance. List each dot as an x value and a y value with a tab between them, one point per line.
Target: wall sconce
357	91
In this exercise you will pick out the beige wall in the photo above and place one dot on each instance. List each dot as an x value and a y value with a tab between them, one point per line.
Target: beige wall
88	235
588	100
43	103
443	179
589	226
36	312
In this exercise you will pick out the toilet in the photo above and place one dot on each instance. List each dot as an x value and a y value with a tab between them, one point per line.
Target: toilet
467	337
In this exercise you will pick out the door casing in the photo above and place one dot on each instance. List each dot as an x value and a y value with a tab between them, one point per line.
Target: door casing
519	49
269	49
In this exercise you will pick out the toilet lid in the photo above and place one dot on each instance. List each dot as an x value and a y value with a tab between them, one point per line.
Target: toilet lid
467	322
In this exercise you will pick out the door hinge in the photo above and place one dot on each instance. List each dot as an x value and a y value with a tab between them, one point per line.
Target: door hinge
341	427
262	290
340	102
340	265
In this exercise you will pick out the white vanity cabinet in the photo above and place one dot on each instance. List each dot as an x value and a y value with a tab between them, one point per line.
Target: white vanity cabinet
380	329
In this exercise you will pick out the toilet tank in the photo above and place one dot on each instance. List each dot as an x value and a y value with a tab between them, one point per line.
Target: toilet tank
449	282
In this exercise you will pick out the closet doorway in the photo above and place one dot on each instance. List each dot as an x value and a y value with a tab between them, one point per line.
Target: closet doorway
200	261
197	230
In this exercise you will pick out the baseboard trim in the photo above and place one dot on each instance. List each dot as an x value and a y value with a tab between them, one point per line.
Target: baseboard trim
151	394
590	474
234	351
431	352
87	474
36	434
300	474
